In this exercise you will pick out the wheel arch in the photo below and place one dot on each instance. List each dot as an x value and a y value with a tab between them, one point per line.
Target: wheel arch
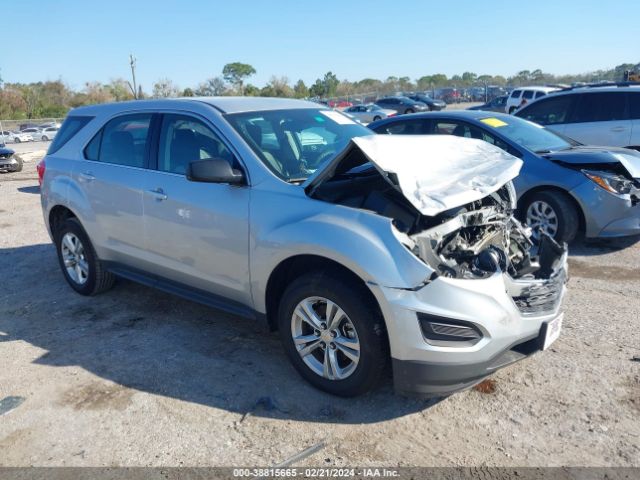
58	215
524	199
293	267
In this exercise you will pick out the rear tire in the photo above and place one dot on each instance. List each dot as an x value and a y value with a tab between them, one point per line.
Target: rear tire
376	118
512	109
554	209
80	265
16	140
409	110
361	324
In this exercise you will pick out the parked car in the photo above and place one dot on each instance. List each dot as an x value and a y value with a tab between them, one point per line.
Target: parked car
34	132
608	115
498	104
9	161
369	113
15	137
48	124
23	126
563	185
48	133
340	104
523	95
401	104
350	247
450	95
428	101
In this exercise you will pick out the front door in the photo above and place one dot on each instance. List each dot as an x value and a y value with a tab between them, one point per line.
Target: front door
196	233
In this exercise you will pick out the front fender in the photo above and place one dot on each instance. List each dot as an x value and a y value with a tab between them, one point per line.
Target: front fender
359	240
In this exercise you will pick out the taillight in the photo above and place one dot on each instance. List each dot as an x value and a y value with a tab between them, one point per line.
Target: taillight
41	168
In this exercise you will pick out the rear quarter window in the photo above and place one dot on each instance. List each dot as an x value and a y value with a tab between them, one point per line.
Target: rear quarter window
70	127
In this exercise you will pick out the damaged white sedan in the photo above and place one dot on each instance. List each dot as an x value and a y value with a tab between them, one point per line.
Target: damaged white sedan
360	249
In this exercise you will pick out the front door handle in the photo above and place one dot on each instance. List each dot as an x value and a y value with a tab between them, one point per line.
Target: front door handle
158	194
618	129
87	176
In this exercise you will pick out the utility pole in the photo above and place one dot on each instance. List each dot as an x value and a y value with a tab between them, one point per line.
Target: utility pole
132	62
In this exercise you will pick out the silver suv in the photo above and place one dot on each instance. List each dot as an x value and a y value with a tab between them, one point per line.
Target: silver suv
360	249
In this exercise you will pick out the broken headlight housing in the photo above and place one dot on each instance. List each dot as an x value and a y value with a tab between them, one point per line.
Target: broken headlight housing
611	182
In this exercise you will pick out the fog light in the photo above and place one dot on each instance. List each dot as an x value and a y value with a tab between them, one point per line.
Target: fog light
443	331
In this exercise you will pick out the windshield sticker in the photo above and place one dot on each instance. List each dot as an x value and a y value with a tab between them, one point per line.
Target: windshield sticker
337	117
494	122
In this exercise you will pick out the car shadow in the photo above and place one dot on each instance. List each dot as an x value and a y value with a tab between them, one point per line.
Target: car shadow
31	189
146	340
590	247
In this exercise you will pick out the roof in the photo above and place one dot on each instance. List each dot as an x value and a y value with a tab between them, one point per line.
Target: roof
538	88
223	104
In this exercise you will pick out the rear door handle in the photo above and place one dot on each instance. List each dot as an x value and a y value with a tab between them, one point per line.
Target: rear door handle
618	129
158	194
87	177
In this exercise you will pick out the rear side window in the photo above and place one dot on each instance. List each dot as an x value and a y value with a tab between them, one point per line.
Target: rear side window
527	94
600	107
540	94
549	111
122	141
516	93
634	105
69	128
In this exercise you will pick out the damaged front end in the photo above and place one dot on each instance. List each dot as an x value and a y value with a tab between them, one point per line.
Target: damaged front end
453	208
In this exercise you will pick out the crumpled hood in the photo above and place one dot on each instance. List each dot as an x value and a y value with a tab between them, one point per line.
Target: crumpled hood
434	172
585	155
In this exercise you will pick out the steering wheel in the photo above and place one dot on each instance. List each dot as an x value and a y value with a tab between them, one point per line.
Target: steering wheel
324	156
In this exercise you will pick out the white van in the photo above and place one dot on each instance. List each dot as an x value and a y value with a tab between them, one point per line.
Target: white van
526	95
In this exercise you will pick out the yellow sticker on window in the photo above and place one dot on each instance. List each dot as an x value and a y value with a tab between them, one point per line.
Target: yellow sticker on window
494	122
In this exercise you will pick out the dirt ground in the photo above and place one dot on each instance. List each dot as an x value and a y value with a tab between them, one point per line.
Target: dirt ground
136	377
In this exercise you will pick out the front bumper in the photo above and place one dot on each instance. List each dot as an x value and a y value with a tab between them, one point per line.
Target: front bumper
511	315
606	214
8	164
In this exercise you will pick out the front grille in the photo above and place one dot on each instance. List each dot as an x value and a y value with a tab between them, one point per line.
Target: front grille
541	297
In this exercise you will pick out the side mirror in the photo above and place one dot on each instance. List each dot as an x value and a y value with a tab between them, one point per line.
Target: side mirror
214	170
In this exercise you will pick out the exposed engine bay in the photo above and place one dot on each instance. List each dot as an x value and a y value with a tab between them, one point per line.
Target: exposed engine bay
474	240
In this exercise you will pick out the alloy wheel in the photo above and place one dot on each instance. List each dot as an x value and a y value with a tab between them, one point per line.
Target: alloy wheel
325	338
542	218
74	259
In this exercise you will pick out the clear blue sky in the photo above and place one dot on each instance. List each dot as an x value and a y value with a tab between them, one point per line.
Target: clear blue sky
191	40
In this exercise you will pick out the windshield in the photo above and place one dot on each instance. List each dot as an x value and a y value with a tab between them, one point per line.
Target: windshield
293	144
528	134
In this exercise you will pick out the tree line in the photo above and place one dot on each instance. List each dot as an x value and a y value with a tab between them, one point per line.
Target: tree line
55	98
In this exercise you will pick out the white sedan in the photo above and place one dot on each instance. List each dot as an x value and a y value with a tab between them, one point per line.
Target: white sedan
7	136
48	133
368	113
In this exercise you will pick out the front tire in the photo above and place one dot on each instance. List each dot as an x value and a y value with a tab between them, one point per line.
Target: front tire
409	110
80	265
19	165
44	138
16	140
332	334
376	118
552	213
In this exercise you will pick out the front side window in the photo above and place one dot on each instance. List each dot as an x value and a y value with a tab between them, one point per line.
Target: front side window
516	93
294	143
122	141
183	140
600	107
550	111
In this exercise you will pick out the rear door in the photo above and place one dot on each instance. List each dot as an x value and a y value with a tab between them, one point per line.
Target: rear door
600	118
111	177
196	233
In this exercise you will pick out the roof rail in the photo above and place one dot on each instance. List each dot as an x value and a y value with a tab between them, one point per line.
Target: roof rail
602	84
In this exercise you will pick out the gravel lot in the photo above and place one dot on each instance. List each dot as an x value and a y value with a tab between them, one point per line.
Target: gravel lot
136	377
